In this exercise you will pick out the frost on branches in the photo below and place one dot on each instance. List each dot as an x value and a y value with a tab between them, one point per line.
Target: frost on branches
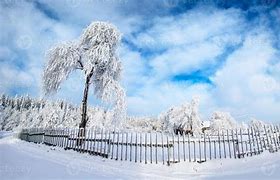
95	54
184	118
26	112
222	121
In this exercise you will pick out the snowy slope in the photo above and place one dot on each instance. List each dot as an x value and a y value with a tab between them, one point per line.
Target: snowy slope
23	160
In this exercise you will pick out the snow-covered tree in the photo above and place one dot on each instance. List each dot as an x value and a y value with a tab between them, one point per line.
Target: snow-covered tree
257	124
222	121
95	54
184	117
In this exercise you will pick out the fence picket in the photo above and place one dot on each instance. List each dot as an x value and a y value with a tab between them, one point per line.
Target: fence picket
219	143
101	142
118	139
168	156
233	145
210	148
194	151
229	149
237	144
162	148
94	141
173	147
274	139
241	140
122	148
199	147
136	146
151	148
215	150
145	148
126	143
184	147
189	147
224	144
156	149
130	153
178	147
140	147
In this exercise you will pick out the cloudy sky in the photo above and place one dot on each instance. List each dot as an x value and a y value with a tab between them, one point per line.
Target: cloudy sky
224	52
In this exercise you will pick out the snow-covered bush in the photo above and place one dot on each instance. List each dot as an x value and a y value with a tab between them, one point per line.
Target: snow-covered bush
140	124
222	121
257	124
183	118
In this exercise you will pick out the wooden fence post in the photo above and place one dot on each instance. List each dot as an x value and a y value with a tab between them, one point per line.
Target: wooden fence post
109	143
173	148
258	147
204	139
101	142
145	148
194	150
105	143
151	146
260	140
229	149
94	141
168	157
233	144
89	140
219	140
136	144
118	138
184	146
215	150
162	148
274	140
126	145
277	135
178	147
122	148
131	134
189	147
199	147
210	148
253	141
141	147
69	141
84	141
237	144
156	148
224	144
241	139
250	143
266	134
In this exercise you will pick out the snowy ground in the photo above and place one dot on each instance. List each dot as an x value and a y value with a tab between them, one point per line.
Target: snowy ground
23	160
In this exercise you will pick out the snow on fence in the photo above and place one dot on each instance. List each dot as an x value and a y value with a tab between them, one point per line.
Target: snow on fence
157	147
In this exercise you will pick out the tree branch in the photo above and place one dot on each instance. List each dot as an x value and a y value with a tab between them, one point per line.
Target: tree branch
81	65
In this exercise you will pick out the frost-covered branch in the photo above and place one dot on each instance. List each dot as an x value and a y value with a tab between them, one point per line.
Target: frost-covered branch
62	60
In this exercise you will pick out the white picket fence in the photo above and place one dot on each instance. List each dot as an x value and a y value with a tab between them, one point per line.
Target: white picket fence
157	147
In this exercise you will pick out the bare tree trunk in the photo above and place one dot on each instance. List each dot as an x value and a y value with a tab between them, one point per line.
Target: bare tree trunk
85	99
84	105
83	123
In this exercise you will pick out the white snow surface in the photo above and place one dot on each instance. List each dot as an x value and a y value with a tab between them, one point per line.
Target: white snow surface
23	160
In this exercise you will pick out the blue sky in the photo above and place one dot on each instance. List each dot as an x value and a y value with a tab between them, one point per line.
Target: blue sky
224	52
